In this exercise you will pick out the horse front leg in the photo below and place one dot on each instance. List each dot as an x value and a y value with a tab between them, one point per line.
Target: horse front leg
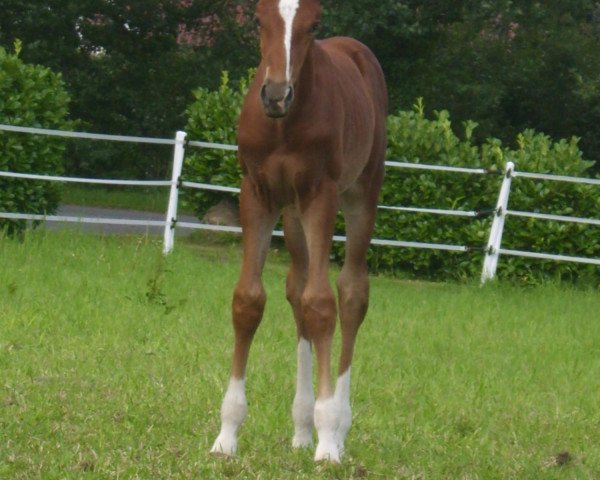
248	304
319	313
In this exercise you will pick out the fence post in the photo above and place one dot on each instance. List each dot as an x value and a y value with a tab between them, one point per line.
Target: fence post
178	153
492	251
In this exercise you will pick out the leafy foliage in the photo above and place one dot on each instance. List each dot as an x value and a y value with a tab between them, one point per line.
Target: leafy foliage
509	64
415	139
31	96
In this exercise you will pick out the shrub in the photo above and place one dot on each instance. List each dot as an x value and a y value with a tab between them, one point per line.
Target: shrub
32	96
213	117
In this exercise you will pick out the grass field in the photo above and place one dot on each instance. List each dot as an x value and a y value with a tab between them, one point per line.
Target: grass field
113	362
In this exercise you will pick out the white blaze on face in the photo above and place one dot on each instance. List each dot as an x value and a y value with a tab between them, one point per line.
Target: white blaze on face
287	10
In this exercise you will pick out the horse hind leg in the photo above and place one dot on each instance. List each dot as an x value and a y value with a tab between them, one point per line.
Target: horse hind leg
353	291
304	400
353	298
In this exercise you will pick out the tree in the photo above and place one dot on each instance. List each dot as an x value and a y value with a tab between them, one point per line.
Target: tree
129	66
514	65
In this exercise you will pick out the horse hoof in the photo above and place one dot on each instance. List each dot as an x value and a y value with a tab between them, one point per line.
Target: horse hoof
327	452
224	446
302	440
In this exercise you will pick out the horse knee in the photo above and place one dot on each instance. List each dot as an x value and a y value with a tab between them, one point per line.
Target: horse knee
353	294
293	289
319	309
247	307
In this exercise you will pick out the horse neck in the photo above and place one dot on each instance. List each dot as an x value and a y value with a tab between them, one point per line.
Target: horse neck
307	86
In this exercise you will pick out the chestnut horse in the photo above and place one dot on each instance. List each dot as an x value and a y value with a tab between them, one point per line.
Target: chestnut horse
311	141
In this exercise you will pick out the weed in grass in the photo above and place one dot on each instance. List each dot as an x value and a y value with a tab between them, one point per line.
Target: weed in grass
155	286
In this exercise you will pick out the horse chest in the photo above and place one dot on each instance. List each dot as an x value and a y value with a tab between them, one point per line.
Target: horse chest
285	179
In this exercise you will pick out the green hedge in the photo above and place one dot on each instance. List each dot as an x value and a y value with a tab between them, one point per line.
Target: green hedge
32	96
416	139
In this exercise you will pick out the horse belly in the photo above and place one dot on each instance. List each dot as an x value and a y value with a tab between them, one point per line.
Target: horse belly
358	144
358	100
358	136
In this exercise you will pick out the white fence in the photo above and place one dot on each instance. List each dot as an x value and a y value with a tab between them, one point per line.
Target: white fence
492	251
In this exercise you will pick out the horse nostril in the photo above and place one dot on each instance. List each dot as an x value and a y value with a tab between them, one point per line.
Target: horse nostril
263	94
276	98
289	96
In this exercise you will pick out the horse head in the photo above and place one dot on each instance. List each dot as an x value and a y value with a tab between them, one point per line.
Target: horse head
287	33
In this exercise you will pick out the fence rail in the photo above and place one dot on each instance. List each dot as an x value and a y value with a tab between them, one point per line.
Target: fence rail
492	250
439	168
71	219
99	181
555	218
86	135
557	178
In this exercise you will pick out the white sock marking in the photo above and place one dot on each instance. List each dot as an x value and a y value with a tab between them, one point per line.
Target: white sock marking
287	10
326	423
304	401
233	412
333	418
342	397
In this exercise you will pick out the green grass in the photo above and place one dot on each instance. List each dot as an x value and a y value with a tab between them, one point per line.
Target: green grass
113	362
135	198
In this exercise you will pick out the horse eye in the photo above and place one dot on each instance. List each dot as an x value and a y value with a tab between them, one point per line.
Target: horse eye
315	27
257	21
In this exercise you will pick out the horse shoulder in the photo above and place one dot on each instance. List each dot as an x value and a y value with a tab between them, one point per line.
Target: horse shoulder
346	50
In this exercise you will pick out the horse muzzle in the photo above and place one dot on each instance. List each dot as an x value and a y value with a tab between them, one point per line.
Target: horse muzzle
276	98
